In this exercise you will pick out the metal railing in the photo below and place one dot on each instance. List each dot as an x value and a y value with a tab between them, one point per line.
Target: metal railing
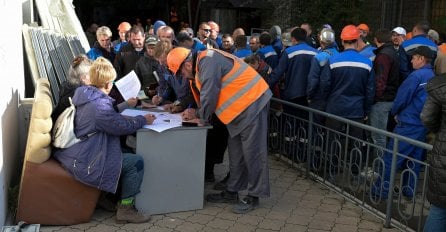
349	163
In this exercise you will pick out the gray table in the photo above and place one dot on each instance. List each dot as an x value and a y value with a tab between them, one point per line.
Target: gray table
173	169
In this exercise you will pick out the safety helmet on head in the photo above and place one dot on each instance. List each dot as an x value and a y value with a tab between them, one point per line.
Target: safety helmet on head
176	57
327	36
350	32
124	26
364	27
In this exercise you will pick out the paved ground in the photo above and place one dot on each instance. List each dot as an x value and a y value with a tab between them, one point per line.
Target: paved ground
296	204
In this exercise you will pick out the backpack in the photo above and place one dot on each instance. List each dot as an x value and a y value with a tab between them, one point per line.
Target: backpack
63	130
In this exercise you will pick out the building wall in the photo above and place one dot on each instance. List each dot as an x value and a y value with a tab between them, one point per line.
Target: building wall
12	87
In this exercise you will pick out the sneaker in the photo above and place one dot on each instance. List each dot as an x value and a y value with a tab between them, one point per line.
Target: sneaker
223	197
248	204
221	185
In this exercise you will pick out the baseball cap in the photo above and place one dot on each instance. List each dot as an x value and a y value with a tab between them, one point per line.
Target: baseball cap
434	35
151	40
399	30
422	51
364	27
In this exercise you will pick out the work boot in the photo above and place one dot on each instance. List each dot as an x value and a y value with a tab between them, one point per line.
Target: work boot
223	197
129	214
221	185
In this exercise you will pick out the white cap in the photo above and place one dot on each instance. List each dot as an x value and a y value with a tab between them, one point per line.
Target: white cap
399	30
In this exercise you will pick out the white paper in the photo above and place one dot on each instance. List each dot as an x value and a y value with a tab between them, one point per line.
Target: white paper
129	85
163	121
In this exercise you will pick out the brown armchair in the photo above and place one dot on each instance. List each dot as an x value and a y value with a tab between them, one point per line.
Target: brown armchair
48	194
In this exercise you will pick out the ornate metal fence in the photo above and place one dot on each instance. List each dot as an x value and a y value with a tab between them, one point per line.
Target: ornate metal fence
340	154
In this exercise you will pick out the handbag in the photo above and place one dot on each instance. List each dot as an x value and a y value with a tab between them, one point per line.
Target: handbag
63	130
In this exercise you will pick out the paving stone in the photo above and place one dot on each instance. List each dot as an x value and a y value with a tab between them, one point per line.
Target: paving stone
344	228
65	229
211	210
237	227
228	215
264	230
390	230
304	211
316	230
270	224
276	215
308	204
296	205
375	226
220	223
212	229
327	216
299	220
200	218
189	227
329	208
332	201
136	227
104	228
345	220
350	212
321	224
182	215
250	219
158	229
293	228
169	222
369	217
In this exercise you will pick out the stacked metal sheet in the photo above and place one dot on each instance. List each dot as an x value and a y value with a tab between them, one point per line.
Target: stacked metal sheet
53	54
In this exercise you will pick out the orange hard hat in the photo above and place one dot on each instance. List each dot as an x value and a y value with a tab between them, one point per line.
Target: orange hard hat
124	26
364	27
176	57
350	32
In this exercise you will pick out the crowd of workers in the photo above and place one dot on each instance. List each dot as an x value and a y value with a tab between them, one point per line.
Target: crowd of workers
227	80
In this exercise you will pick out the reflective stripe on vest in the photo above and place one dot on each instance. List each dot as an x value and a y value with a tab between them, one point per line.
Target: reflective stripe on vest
239	88
195	92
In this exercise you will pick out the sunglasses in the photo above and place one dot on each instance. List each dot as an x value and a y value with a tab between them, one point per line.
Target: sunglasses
206	30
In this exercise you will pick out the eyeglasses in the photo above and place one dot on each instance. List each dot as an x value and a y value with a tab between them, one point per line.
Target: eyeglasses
206	30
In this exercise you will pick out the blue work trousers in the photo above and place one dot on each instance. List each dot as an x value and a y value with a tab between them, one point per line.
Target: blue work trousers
415	132
436	220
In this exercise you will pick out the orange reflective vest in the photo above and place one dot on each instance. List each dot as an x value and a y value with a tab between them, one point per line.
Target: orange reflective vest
240	87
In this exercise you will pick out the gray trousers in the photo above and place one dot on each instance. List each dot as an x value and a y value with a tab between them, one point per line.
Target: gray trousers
248	158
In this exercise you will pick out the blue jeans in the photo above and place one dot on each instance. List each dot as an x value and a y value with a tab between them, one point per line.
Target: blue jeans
436	220
379	115
131	174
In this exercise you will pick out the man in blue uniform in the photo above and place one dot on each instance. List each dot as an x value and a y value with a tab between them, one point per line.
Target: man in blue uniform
407	108
347	84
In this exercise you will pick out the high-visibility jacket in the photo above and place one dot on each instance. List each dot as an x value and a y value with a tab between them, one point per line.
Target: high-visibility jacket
240	87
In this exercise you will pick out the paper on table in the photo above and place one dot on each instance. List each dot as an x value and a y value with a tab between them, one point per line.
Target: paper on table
129	85
163	121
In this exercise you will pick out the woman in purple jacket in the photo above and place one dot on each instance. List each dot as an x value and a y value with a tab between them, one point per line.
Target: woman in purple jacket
97	161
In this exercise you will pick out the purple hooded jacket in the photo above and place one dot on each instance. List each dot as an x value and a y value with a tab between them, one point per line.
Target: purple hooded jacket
97	160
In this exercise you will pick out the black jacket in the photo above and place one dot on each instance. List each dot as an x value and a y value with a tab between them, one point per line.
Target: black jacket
387	67
434	118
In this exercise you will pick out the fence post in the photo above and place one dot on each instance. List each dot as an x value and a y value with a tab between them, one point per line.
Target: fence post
391	184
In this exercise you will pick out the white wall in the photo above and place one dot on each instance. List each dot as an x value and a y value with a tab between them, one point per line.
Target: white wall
11	88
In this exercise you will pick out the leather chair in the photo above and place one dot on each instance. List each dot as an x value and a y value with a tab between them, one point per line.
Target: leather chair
49	195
